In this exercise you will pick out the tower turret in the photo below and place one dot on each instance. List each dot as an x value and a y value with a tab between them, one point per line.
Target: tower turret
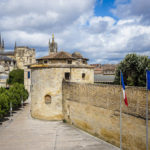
52	46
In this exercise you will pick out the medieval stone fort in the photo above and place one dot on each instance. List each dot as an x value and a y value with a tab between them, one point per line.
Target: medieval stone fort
61	87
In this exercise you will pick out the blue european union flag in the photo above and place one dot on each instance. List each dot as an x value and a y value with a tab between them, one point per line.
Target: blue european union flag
28	74
148	79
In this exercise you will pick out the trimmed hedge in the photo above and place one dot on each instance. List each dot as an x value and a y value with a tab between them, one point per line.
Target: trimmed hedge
14	94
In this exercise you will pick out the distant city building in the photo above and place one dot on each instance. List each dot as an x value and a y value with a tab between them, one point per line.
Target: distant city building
105	79
17	59
104	73
24	56
6	65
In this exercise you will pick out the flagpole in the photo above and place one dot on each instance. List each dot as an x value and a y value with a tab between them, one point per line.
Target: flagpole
120	117
146	114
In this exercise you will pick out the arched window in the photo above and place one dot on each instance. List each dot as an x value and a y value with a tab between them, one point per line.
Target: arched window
47	99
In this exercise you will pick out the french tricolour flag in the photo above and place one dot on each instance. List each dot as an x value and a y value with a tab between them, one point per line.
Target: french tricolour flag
123	88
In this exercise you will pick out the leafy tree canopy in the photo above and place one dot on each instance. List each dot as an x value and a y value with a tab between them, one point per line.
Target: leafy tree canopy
133	67
16	76
15	94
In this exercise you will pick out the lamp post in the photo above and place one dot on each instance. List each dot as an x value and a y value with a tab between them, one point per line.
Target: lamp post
22	101
10	108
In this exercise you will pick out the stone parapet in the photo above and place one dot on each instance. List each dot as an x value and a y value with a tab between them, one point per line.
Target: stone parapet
95	109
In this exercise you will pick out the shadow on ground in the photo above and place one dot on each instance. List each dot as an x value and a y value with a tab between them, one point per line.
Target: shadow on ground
7	117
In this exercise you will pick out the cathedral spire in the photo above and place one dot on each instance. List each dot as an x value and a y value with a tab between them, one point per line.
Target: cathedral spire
53	38
15	45
3	44
52	46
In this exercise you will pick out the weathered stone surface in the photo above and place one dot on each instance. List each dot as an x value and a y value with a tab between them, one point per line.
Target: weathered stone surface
26	133
48	81
95	109
24	56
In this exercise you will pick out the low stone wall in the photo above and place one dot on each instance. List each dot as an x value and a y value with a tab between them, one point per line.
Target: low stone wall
95	109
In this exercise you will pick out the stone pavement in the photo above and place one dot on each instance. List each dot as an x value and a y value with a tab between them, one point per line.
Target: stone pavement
26	133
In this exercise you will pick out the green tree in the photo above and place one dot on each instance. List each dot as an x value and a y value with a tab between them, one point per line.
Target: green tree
16	76
4	104
133	67
16	93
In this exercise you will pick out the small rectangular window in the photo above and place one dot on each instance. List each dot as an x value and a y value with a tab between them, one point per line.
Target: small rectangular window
45	61
67	75
84	62
83	75
69	61
28	74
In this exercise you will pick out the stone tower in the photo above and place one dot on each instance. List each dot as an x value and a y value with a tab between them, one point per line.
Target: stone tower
1	44
52	46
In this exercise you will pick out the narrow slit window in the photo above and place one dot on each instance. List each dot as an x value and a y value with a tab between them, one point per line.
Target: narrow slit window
83	75
69	61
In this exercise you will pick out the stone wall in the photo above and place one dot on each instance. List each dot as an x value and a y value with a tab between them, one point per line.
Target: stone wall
24	56
95	109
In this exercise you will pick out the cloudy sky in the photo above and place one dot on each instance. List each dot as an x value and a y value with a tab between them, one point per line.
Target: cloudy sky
102	30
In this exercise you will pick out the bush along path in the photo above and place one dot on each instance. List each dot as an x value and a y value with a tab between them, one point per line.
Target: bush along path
12	97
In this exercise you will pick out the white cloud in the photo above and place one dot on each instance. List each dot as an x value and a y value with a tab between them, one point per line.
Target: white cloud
102	39
33	15
133	9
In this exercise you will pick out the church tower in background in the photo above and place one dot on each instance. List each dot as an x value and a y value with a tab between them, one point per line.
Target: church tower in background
1	44
52	46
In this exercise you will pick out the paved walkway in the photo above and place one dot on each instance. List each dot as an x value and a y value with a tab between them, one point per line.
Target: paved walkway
25	133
